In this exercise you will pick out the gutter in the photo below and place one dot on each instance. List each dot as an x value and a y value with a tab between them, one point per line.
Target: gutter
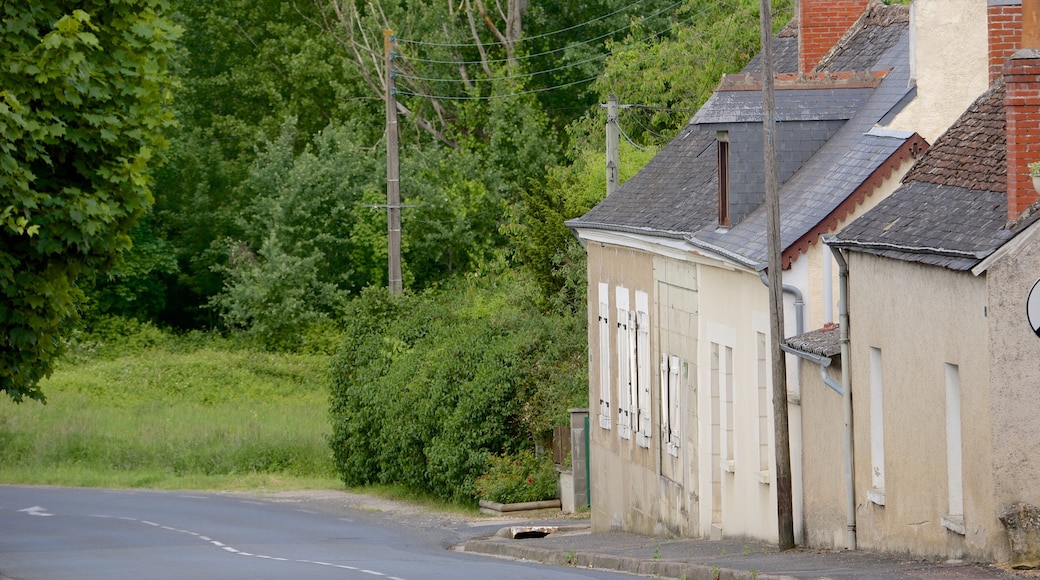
978	254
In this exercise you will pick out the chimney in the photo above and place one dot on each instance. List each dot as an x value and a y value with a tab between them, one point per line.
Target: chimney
1004	20
821	24
1022	107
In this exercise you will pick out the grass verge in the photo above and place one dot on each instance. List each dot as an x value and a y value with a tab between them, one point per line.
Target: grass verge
210	415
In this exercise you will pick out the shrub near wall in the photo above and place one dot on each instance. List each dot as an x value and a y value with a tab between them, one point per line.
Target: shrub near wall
426	386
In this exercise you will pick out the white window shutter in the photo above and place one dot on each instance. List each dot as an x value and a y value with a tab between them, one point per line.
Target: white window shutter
604	356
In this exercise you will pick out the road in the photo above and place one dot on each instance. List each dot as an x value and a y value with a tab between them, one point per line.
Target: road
63	533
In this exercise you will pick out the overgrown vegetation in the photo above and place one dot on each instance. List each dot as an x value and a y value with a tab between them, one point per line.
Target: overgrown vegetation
135	406
427	386
517	478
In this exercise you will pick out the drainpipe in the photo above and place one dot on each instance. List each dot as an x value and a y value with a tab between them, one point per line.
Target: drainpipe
799	304
846	397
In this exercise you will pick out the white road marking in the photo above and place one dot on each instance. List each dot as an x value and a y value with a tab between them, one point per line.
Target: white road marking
36	511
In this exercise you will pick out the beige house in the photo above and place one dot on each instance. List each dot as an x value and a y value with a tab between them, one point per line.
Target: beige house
940	362
680	393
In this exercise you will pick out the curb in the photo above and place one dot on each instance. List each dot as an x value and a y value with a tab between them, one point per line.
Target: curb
657	568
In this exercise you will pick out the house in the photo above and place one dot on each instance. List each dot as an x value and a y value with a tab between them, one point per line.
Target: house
681	417
941	359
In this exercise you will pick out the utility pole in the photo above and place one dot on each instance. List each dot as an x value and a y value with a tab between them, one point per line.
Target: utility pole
782	436
613	160
393	173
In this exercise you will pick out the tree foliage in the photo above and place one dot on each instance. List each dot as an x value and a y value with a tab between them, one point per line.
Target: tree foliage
426	386
83	96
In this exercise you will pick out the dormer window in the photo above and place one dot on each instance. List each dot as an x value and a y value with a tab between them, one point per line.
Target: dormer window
722	139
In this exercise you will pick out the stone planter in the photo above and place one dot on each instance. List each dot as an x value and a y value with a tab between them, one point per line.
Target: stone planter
517	509
1036	182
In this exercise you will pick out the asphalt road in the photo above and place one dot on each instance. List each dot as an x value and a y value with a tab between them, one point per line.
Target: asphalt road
64	533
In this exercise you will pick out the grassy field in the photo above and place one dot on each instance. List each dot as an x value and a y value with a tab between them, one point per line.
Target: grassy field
171	413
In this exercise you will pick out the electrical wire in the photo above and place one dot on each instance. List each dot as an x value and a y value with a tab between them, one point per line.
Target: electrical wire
525	38
536	55
539	90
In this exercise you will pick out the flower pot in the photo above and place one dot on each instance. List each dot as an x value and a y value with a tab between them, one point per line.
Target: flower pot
1036	182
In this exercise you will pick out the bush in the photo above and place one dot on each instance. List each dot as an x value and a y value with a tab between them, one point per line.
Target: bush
425	387
518	478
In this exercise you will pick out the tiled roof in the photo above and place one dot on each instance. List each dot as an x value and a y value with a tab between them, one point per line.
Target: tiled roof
879	30
951	210
825	341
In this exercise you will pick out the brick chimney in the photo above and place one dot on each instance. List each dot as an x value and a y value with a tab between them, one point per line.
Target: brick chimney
1004	21
1022	107
821	24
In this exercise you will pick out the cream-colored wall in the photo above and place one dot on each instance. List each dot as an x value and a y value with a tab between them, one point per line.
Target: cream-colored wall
921	318
733	308
949	54
1014	378
823	458
622	472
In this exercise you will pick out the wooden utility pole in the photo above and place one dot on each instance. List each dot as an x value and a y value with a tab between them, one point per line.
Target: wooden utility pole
393	174
613	159
782	439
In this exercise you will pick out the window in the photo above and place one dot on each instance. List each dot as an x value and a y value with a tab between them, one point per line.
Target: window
641	386
671	420
954	462
877	431
625	352
763	407
723	146
729	393
604	356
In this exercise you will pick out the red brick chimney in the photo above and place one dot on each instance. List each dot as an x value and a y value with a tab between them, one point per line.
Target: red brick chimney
821	24
1022	107
1005	34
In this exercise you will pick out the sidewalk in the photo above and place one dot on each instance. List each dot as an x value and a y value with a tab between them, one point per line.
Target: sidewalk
575	545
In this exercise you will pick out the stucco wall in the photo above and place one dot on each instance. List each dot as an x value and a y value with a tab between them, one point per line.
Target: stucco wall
921	318
949	56
823	459
1015	378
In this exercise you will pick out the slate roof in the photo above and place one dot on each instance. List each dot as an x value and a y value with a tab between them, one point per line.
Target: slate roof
841	165
951	210
663	197
675	195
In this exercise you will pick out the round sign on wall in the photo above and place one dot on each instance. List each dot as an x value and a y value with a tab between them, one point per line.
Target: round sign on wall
1033	307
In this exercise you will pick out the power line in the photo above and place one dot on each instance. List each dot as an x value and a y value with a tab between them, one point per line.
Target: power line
431	95
526	38
536	55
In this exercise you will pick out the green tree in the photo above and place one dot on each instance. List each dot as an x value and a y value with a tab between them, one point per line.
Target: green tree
83	96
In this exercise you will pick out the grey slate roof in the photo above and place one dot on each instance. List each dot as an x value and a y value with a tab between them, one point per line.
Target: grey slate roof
675	195
831	175
666	196
791	105
951	210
